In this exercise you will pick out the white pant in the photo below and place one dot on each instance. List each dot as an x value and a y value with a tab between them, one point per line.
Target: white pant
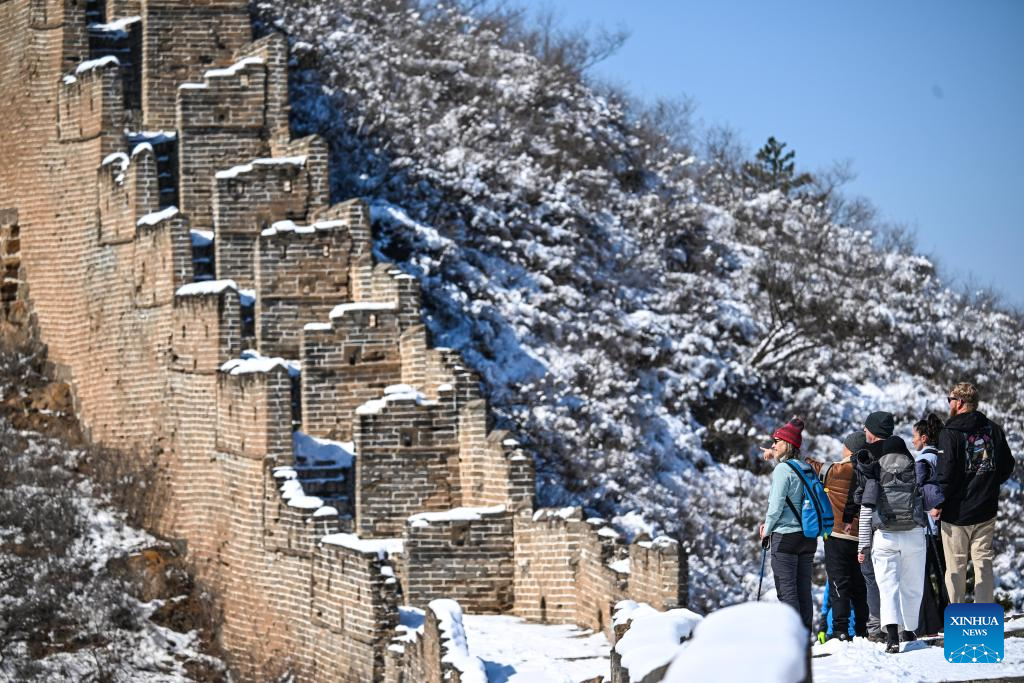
899	558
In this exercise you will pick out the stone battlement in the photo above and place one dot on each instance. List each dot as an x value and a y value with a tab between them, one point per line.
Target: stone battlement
322	461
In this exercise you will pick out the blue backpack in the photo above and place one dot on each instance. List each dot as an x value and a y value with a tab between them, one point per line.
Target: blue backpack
816	515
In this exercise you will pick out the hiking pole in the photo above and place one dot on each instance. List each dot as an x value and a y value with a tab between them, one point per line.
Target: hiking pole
764	553
938	561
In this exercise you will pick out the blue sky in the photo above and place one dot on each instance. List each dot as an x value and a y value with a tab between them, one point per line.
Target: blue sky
925	98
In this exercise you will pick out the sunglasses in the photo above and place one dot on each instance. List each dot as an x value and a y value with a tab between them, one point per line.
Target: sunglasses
950	399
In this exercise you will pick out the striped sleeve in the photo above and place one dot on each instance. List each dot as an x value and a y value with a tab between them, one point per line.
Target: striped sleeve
864	530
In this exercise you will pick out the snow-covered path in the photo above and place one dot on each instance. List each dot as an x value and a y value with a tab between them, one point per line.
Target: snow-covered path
514	651
919	663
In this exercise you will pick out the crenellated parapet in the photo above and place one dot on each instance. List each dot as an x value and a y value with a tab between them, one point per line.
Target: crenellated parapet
407	459
254	409
346	362
465	553
324	463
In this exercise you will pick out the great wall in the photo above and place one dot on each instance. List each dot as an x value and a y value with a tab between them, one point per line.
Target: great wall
179	254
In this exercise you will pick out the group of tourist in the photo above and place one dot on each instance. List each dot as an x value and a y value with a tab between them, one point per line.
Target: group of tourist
899	517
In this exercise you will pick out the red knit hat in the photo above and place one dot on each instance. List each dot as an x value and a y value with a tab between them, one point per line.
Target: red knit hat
790	432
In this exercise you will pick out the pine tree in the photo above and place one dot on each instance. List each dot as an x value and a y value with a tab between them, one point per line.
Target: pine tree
775	168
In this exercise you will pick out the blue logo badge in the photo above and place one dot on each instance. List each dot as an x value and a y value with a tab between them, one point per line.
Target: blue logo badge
974	633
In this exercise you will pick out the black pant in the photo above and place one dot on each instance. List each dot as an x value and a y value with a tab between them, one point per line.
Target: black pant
933	601
846	586
792	556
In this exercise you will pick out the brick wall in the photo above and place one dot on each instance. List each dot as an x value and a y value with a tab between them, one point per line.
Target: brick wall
406	462
345	364
180	41
301	275
90	106
221	123
464	554
109	264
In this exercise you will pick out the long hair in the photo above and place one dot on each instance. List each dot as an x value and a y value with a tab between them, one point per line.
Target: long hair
929	427
792	452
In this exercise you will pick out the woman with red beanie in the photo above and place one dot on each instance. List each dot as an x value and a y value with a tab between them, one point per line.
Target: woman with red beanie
792	552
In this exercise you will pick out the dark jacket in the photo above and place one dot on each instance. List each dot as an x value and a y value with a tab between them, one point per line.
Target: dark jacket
865	466
971	492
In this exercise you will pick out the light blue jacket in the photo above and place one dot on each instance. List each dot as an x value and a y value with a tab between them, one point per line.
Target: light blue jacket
780	519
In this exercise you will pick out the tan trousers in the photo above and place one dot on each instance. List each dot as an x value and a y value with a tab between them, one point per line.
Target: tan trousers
973	542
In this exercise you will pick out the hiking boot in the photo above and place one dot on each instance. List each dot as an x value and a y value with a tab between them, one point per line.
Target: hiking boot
892	639
908	636
844	637
876	636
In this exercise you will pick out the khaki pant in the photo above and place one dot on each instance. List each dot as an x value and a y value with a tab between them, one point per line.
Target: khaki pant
974	542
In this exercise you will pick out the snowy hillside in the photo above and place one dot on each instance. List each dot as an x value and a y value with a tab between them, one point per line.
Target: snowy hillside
84	596
643	309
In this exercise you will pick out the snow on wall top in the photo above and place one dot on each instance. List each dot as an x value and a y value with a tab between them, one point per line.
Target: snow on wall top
381	547
323	451
411	621
565	513
251	361
453	641
376	405
293	493
461	514
116	26
151	219
341	309
234	68
236	171
90	65
292	228
659	543
711	653
653	637
201	238
206	288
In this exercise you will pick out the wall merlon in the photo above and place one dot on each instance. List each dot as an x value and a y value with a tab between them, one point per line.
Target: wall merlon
356	214
273	50
181	42
206	326
162	258
127	189
90	105
301	274
254	412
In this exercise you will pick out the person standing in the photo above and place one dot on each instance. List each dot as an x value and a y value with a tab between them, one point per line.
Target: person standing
792	552
893	504
974	462
846	584
877	427
933	601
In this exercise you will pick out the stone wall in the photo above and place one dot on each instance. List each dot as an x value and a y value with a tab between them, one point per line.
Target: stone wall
113	202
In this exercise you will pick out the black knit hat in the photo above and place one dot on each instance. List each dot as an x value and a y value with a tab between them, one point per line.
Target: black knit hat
856	441
881	424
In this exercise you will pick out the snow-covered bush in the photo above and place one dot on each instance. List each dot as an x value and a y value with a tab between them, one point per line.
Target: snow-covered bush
640	316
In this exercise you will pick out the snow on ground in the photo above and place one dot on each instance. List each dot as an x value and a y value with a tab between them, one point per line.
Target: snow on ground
917	663
769	637
514	651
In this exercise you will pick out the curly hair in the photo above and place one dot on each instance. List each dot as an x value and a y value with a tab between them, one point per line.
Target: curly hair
929	427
